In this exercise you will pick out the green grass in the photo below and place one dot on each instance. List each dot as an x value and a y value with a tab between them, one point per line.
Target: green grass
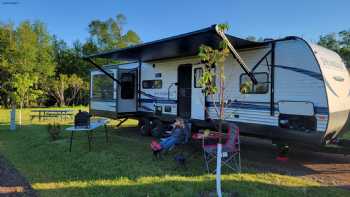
347	135
125	167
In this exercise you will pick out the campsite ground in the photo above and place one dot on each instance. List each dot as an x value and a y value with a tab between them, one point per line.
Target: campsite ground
125	166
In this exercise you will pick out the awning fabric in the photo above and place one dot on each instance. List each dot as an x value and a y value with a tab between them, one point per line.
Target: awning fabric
177	46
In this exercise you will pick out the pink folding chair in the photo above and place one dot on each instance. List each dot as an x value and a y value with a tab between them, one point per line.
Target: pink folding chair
231	157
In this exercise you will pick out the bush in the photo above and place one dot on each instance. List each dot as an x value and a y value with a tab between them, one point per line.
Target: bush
54	131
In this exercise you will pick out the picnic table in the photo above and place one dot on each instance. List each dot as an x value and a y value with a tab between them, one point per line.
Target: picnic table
89	130
51	113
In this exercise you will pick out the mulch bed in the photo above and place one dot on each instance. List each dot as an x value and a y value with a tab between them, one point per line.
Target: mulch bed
12	183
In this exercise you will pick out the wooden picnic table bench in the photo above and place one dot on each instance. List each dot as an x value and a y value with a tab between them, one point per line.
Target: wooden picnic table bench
51	113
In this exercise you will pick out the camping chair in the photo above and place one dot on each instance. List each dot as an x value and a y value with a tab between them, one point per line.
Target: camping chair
186	137
230	149
185	140
180	157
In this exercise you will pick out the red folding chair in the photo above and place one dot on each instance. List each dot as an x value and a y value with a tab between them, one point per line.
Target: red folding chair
231	156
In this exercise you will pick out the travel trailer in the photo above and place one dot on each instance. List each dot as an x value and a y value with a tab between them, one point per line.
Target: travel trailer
288	90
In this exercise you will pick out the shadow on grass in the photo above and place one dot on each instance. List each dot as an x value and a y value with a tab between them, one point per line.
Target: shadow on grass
126	141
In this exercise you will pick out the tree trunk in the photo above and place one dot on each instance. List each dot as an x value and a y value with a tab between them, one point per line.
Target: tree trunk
219	146
218	170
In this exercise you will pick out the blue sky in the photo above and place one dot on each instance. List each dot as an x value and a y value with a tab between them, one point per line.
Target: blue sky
154	19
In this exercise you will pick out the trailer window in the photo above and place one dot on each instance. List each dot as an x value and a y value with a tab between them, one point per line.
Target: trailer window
247	86
102	87
152	84
198	73
127	85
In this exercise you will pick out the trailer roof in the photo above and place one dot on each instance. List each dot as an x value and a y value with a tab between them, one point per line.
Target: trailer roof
182	45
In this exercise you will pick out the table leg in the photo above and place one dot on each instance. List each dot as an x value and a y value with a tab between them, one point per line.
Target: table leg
71	140
39	116
106	133
89	139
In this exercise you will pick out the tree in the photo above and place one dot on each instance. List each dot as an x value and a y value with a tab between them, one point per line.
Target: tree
109	34
251	38
65	89
76	84
25	50
23	90
215	57
7	47
57	89
329	41
69	60
339	43
344	51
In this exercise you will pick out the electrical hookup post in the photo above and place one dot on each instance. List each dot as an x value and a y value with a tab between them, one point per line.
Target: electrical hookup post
13	118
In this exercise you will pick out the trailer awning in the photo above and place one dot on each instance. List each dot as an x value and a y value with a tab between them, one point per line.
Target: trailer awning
173	47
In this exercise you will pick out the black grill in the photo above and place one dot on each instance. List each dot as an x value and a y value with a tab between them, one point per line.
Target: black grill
82	119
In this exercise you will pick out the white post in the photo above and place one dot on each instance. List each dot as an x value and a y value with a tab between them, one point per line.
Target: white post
218	170
13	118
20	117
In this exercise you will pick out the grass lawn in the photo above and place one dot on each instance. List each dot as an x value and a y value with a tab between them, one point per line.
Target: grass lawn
125	167
347	135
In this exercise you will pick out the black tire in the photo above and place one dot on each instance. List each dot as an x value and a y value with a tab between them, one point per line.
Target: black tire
145	127
157	128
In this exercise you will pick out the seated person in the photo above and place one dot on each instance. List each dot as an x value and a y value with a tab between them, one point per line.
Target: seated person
177	136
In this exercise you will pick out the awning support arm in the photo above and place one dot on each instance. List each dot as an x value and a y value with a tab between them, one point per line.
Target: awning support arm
102	70
235	54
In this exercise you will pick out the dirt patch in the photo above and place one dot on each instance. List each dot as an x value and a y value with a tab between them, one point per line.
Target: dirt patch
325	168
12	183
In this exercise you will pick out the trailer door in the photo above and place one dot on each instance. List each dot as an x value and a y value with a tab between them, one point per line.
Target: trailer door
127	94
198	97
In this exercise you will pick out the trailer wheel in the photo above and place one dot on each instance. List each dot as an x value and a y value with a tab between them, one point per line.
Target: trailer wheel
145	127
157	128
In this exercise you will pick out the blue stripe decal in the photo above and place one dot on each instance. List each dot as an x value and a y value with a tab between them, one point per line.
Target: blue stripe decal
146	108
162	101
302	71
255	106
321	110
103	100
312	74
154	97
242	105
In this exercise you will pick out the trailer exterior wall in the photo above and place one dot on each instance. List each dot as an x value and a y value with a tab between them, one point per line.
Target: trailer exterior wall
337	81
298	78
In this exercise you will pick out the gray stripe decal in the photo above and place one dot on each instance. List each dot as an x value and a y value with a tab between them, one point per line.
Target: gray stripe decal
312	74
309	73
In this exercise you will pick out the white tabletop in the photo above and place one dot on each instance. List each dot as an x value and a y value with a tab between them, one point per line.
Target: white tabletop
93	125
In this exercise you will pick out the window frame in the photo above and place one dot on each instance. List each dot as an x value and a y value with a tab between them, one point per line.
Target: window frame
195	80
254	92
153	80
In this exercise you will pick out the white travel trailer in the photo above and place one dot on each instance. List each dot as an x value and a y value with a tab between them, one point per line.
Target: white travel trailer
301	95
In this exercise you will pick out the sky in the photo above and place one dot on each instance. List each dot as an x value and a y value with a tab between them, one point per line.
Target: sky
155	19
